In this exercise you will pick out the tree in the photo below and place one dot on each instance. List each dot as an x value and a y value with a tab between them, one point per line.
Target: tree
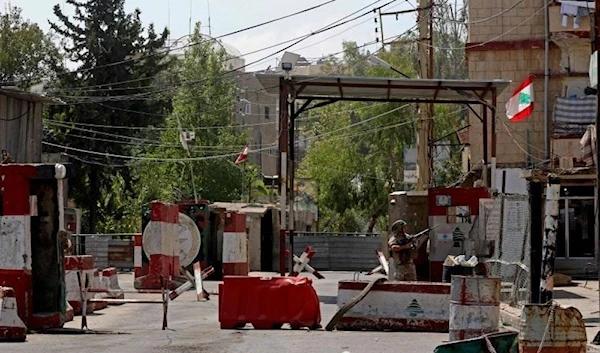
203	104
27	54
356	149
114	85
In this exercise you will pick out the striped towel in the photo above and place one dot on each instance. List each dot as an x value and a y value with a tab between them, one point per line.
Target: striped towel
588	146
573	115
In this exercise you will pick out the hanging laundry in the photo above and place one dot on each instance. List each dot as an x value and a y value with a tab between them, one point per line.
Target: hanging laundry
575	9
567	10
581	12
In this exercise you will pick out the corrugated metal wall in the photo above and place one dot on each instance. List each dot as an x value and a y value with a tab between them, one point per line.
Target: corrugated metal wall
21	129
341	253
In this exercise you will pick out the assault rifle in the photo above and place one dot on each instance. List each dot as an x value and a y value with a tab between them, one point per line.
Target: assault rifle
411	238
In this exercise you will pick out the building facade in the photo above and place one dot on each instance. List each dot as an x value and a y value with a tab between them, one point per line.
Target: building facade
506	40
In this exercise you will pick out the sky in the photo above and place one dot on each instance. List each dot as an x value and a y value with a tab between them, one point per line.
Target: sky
231	15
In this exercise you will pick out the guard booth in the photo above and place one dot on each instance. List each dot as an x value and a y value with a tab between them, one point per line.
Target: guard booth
412	207
31	253
453	211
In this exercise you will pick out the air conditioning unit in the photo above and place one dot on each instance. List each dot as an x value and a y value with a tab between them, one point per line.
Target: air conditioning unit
246	107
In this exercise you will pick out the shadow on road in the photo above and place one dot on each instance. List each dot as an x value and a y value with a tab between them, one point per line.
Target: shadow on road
328	299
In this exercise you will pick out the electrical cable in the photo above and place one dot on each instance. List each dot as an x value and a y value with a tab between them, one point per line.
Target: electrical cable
192	82
155	159
466	47
467	23
192	44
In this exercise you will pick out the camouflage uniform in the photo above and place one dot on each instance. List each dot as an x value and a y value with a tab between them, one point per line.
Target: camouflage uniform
403	260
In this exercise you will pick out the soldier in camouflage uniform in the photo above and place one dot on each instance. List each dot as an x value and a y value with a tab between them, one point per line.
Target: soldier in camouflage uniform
403	254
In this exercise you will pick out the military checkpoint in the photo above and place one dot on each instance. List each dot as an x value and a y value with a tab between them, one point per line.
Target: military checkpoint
317	176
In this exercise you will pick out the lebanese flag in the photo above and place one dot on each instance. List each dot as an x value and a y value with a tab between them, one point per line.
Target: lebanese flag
520	105
243	156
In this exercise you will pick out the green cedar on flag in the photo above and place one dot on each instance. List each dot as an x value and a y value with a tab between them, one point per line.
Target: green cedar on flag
520	105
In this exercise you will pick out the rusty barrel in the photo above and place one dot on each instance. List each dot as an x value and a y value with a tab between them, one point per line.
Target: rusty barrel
474	306
564	334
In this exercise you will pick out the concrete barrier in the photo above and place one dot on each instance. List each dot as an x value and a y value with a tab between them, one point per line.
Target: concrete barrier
110	280
12	327
84	266
396	306
98	283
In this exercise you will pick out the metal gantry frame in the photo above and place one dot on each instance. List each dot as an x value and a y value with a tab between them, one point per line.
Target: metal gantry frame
319	91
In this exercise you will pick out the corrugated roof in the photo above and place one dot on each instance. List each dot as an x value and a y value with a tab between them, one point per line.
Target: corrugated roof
16	93
240	207
382	89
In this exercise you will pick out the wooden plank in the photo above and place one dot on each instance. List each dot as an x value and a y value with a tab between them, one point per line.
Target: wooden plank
38	135
22	119
4	133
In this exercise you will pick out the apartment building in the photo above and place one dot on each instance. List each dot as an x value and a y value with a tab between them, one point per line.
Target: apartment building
506	40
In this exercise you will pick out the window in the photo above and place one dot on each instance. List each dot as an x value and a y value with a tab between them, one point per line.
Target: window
267	113
575	237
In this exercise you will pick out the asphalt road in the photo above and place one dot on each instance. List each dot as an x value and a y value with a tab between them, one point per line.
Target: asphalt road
194	327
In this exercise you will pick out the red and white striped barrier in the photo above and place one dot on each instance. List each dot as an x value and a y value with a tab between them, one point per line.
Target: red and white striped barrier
235	245
396	306
160	242
84	266
301	263
140	269
12	327
15	239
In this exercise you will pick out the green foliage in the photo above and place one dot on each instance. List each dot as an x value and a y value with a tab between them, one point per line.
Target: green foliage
102	39
203	107
357	149
27	54
119	209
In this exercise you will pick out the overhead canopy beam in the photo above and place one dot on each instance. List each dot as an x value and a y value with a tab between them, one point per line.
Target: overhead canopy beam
475	112
302	109
390	100
379	89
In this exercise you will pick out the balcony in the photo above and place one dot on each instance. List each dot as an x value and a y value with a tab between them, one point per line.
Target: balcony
556	22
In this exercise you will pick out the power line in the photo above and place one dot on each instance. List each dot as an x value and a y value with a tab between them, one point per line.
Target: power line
483	19
192	82
83	89
235	126
192	44
155	159
493	39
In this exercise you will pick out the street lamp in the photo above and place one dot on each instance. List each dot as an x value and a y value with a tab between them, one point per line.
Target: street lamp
377	61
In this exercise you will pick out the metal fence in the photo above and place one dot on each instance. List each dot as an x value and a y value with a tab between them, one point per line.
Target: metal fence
108	250
341	251
505	227
334	251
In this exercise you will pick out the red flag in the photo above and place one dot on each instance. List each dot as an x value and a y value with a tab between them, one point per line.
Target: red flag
243	156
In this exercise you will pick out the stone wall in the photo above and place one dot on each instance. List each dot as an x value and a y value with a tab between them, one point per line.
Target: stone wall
497	27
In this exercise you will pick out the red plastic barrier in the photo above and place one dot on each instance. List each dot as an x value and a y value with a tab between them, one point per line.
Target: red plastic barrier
268	303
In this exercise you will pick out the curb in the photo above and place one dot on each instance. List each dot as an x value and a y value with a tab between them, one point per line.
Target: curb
510	316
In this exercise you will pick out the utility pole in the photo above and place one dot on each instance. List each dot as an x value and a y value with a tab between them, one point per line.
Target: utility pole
596	46
424	124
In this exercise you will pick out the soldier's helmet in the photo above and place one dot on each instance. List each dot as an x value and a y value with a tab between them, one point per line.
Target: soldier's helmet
398	225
